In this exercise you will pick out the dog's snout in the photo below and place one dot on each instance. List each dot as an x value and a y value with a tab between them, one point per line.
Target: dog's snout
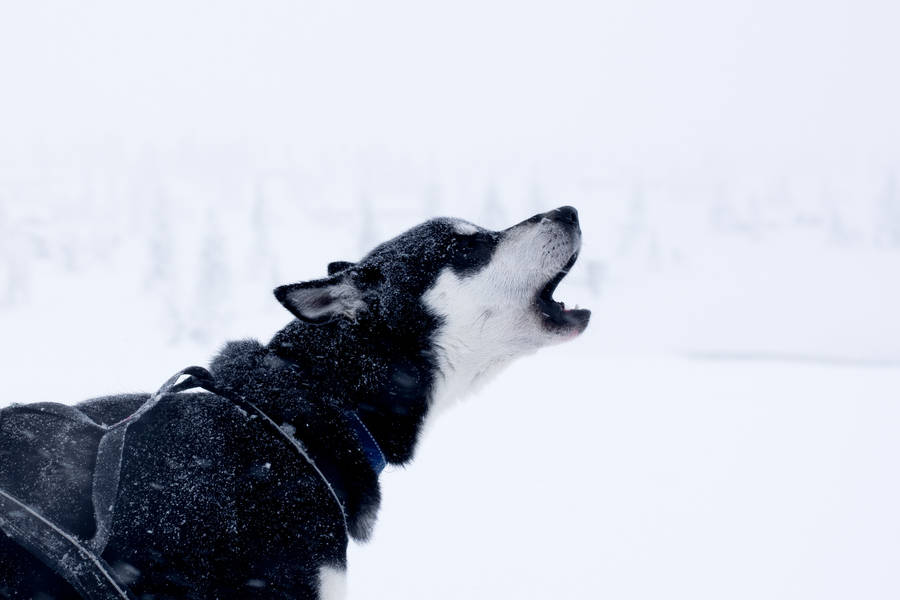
565	214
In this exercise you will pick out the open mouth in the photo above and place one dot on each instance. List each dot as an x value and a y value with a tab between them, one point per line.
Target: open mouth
555	315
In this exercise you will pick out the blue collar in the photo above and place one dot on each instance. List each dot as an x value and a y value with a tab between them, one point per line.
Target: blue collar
369	446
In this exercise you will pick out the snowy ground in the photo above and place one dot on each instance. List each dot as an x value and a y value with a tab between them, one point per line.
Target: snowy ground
578	474
644	460
586	476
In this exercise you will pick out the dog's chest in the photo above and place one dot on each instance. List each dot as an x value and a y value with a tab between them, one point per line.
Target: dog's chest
473	341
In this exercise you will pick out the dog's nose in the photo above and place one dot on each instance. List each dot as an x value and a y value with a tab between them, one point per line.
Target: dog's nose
565	214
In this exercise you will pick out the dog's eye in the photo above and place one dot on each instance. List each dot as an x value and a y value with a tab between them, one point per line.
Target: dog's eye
473	251
482	239
476	241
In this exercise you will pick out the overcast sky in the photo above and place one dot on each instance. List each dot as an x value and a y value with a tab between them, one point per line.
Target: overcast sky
728	85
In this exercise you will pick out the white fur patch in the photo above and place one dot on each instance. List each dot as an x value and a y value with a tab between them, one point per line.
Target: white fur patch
332	583
490	318
477	337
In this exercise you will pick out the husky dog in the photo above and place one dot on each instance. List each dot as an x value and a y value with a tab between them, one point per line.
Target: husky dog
209	502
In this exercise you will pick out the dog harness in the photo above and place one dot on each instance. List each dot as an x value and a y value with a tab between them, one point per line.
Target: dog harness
79	562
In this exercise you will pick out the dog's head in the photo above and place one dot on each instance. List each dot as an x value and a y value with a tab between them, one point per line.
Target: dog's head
487	295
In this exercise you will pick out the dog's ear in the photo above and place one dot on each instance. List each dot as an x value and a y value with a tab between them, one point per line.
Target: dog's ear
338	266
322	300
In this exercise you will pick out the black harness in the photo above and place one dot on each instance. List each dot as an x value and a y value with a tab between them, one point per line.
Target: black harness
79	562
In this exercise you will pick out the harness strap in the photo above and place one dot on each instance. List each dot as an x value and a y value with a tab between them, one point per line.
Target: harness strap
200	377
80	563
370	447
108	468
85	571
112	446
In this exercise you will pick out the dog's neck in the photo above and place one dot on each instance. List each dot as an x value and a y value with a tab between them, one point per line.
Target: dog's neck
392	385
388	384
473	342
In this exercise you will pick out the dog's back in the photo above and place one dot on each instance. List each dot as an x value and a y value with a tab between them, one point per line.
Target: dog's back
210	503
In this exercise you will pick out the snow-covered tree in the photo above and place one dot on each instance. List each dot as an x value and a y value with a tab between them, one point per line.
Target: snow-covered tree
210	283
492	213
262	260
431	200
367	236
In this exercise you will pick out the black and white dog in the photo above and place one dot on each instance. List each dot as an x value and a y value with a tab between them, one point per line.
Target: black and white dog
211	503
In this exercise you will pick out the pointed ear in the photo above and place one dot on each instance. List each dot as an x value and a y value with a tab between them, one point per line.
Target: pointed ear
338	266
322	300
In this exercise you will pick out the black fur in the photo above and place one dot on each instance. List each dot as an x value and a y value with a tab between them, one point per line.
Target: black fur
209	505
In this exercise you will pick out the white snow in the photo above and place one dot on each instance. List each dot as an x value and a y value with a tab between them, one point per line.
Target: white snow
578	475
726	427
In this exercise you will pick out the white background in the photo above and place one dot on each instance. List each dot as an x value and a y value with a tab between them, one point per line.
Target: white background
727	426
